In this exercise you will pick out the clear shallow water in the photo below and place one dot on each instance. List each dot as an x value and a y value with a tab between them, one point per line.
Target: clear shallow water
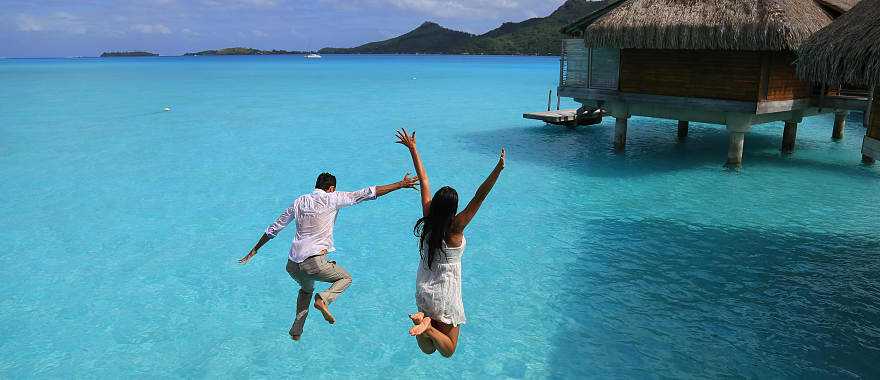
121	225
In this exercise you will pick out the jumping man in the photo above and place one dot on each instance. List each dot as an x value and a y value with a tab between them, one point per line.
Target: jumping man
315	215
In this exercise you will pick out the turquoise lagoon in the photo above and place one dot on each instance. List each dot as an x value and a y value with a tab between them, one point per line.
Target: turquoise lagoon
120	228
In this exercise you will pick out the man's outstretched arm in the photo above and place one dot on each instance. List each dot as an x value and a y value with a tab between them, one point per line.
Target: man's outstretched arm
346	199
263	240
273	230
406	182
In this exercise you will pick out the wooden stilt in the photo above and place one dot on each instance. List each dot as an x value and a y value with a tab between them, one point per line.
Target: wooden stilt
735	150
682	129
549	99
839	125
871	142
870	148
789	135
620	125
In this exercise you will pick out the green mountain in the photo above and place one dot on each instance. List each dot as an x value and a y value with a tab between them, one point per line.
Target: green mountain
427	38
540	35
535	36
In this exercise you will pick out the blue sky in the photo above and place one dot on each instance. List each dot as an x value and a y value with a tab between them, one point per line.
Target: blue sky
54	28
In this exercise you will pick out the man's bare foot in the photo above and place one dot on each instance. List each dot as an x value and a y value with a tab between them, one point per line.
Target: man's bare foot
421	327
295	337
322	307
417	317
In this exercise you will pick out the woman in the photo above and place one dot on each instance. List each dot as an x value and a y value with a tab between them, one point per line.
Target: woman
442	243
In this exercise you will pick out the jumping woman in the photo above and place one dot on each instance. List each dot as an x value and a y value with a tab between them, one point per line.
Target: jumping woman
441	241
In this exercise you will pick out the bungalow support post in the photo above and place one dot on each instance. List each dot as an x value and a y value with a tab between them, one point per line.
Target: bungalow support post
621	115
871	145
737	126
620	126
682	130
789	135
839	125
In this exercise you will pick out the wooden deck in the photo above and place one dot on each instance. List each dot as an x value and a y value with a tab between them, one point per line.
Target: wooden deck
566	117
848	102
553	117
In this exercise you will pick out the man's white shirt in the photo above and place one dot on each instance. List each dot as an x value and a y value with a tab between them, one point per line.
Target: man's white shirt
315	215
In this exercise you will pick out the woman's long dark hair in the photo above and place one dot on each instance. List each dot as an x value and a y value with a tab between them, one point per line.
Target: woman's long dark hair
434	227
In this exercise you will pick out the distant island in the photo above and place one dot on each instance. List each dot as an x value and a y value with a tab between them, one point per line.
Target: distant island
535	36
128	54
245	51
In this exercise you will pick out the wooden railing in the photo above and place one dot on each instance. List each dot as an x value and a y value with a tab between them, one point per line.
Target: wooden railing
842	97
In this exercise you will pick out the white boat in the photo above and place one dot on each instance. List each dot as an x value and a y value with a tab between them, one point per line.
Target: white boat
313	55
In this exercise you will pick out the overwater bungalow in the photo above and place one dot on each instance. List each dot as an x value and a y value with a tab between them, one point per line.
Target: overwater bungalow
847	53
728	62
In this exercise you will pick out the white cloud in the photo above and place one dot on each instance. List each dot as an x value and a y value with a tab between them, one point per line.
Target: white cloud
457	9
28	23
237	4
441	8
151	28
54	22
259	33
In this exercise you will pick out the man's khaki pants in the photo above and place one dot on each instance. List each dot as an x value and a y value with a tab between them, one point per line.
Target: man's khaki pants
315	268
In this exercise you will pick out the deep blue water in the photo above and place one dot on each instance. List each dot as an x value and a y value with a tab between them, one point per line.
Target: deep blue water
120	227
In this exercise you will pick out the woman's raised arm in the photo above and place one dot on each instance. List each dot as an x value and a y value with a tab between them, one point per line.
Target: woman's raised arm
465	216
409	141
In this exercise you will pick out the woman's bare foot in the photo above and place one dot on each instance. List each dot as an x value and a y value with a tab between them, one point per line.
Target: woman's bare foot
417	317
420	328
322	307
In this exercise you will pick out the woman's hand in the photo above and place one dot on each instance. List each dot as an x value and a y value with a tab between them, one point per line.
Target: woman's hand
409	141
501	159
244	260
409	182
405	139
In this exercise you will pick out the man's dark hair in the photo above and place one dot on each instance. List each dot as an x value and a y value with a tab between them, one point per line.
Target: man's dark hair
325	180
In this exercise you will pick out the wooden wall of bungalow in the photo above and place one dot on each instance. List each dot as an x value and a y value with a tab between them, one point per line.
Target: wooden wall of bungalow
712	74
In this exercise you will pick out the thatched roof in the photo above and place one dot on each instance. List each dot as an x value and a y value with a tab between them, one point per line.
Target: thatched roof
847	51
707	24
840	6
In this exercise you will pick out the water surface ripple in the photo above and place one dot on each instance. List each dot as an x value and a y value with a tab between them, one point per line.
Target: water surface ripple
121	225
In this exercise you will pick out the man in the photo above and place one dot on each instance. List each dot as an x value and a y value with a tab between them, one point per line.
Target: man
315	215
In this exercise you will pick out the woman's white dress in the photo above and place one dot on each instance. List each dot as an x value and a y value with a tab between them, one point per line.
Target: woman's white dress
438	289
